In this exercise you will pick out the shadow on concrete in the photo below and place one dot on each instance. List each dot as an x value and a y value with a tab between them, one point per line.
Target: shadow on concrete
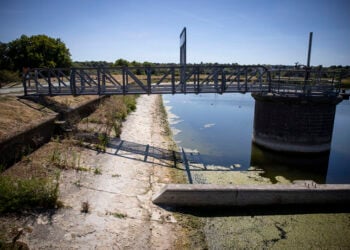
167	158
186	161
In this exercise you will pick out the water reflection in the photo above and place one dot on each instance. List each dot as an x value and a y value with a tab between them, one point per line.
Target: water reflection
290	166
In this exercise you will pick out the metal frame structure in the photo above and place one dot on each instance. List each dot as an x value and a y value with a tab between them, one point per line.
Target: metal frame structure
179	80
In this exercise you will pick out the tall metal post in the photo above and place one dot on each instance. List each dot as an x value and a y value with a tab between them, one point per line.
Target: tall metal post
307	75
183	59
309	51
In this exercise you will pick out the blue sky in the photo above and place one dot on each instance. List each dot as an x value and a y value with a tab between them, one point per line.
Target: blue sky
223	31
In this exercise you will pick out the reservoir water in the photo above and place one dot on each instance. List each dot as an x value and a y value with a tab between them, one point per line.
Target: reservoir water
219	128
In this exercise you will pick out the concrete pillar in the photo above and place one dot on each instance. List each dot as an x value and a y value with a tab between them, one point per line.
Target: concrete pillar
293	123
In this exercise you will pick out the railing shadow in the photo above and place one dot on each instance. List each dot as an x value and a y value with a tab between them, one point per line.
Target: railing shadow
166	158
185	161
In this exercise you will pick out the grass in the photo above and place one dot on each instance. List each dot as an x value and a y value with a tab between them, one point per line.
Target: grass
19	194
107	119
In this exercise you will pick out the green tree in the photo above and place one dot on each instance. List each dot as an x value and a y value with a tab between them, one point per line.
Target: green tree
37	51
121	63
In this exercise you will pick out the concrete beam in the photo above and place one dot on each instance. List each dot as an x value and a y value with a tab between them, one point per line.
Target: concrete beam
303	192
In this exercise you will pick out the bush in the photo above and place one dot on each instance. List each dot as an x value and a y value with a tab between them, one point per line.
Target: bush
7	76
130	102
20	194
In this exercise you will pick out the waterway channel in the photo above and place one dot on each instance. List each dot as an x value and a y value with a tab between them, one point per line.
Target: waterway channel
218	130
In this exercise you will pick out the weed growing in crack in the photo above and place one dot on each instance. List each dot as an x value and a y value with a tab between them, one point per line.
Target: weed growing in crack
117	215
78	183
103	141
85	207
97	171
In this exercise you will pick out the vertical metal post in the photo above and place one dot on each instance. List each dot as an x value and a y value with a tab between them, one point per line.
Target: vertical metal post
24	83
183	59
72	83
124	80
223	80
103	80
49	81
173	80
307	73
99	80
197	76
309	50
246	79
36	80
269	80
148	80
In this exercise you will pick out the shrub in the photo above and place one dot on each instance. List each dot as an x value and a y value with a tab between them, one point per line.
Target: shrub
7	76
19	194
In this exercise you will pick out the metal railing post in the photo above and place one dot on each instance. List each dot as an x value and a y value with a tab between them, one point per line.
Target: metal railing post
148	80
72	82
173	80
183	78
246	79
24	81
49	81
99	80
223	80
124	80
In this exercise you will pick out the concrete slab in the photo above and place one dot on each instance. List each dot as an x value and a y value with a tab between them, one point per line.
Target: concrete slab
305	192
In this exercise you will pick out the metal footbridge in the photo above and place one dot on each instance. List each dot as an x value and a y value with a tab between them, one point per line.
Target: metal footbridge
178	80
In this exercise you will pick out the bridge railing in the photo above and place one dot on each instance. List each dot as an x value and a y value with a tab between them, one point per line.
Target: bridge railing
305	82
176	79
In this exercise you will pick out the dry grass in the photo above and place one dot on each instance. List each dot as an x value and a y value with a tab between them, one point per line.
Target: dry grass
18	115
48	160
73	101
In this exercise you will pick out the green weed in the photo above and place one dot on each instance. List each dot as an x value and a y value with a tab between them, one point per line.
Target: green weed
19	194
97	171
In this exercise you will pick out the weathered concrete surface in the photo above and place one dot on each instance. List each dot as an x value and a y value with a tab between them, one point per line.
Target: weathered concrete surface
249	195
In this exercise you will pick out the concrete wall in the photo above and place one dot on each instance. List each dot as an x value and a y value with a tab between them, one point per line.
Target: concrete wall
304	192
293	123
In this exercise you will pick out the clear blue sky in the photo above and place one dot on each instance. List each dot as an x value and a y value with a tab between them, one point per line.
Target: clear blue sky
223	31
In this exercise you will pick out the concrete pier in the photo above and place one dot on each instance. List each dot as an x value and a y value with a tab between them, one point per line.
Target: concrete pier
293	123
303	192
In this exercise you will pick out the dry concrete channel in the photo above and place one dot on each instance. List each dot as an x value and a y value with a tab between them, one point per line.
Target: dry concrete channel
133	172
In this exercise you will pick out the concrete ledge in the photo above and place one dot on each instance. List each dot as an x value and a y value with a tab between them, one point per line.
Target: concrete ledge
304	192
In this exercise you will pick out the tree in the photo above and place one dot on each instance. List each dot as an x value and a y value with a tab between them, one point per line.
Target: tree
121	63
36	51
